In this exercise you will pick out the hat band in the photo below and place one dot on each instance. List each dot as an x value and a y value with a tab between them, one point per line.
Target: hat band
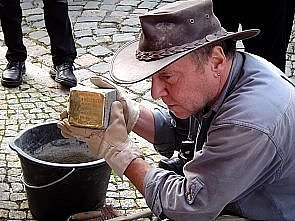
165	52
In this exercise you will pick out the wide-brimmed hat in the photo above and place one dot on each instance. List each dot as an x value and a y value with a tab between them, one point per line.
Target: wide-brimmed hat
169	33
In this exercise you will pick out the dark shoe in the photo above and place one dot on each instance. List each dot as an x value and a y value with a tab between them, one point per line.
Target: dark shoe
173	164
64	74
12	76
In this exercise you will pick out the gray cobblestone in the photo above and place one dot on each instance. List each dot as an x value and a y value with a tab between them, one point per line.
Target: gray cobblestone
101	67
106	31
17	187
99	51
123	37
128	203
87	60
4	213
17	215
24	205
86	42
2	157
38	34
8	205
129	2
17	196
4	187
132	21
125	8
4	196
112	194
148	4
28	105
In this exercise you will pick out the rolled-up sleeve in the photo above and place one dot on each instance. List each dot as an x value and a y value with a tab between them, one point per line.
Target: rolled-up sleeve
215	177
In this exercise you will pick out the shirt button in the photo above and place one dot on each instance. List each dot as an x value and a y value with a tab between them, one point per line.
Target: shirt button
189	197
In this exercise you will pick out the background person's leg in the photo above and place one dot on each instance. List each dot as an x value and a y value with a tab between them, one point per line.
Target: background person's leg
228	14
63	48
59	29
11	18
275	23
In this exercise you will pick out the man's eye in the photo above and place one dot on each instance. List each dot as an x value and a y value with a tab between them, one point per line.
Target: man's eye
166	77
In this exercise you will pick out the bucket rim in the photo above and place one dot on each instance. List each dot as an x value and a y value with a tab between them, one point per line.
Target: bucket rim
19	151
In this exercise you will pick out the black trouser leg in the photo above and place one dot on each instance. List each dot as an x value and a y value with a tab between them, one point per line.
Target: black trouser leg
11	18
276	25
228	17
59	30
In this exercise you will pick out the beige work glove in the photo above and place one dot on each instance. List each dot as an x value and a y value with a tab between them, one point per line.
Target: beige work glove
130	107
114	145
72	132
80	133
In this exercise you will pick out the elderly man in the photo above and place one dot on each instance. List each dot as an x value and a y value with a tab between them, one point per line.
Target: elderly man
245	106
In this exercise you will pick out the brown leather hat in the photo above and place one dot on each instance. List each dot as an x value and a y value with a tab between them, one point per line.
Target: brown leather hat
169	33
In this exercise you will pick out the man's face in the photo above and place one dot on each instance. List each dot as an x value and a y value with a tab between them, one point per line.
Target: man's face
185	87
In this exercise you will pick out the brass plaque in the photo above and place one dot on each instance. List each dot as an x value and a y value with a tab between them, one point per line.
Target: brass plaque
90	107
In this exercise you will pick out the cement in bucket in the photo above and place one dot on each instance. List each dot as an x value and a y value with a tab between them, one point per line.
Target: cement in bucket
61	176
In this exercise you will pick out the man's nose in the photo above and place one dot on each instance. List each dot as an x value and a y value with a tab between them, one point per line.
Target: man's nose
158	88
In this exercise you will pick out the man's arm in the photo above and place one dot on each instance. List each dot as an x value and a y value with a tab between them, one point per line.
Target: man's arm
145	125
136	172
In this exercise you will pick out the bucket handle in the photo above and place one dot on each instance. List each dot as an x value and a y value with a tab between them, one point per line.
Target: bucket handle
49	184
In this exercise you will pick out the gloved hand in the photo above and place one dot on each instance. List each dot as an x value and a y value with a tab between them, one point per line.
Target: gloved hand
113	144
130	107
116	147
80	133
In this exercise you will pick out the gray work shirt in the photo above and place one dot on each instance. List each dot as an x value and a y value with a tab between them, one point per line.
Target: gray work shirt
248	160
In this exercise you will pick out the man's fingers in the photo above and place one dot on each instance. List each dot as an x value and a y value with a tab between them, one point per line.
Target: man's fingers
64	126
65	135
117	112
63	115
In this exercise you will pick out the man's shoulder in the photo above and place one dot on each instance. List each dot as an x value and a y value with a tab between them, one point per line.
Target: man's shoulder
258	98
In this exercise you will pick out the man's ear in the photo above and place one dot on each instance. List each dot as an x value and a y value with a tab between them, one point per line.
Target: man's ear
217	59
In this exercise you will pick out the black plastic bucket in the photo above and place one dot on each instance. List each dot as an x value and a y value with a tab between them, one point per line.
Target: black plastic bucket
61	176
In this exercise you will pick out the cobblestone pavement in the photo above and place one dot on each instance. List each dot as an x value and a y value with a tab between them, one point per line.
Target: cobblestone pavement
100	27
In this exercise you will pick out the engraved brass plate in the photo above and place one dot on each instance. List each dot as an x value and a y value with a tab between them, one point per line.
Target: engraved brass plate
90	107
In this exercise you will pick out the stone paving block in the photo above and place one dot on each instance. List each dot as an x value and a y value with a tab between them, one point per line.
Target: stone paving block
99	51
129	2
17	187
131	21
86	42
123	37
21	215
15	197
124	8
106	31
101	67
148	4
8	205
87	60
3	213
